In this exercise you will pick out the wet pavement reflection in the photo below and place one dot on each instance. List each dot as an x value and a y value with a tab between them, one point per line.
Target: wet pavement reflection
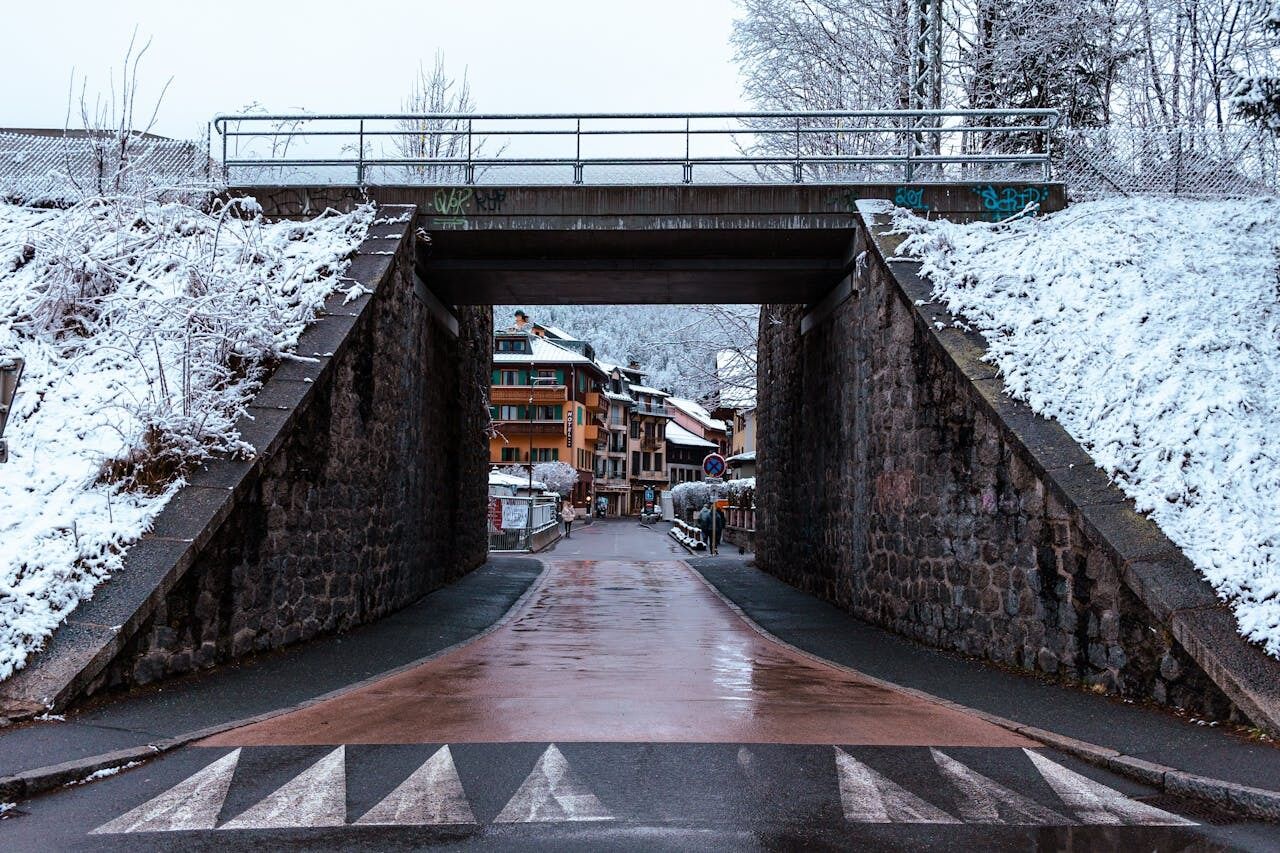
625	651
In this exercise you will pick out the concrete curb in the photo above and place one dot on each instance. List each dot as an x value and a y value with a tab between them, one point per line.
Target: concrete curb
1252	802
39	780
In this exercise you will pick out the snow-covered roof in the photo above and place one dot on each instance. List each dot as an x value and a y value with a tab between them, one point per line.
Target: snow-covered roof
557	332
698	413
644	389
622	398
742	458
544	351
497	478
677	434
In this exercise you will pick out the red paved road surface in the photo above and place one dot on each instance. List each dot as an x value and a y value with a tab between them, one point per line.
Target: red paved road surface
614	650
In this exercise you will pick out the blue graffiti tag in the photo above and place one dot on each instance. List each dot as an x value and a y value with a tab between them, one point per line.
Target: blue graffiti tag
999	205
912	197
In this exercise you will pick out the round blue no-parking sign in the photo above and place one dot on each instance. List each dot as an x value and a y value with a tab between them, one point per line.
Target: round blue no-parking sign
713	465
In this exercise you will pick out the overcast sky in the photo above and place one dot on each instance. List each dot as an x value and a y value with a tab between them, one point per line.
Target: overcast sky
325	56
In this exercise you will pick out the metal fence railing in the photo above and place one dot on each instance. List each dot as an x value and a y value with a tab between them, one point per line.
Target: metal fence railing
1231	162
912	146
522	523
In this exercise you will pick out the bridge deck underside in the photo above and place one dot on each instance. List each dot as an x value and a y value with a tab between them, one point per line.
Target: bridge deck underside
745	243
545	267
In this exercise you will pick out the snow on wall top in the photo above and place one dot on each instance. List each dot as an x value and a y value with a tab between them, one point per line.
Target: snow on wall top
1149	329
128	313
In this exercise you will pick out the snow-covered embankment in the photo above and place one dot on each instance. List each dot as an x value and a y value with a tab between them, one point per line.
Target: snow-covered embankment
145	328
1150	329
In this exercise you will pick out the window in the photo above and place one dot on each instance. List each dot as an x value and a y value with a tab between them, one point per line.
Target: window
657	461
512	345
635	461
510	454
547	377
635	429
648	458
546	454
508	377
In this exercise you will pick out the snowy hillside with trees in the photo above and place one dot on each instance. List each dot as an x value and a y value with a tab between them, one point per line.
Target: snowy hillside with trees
145	328
1150	328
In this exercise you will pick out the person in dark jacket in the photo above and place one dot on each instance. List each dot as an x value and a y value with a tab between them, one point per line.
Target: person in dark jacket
717	530
704	524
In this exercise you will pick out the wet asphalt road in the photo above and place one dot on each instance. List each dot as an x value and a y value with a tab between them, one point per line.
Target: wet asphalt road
624	705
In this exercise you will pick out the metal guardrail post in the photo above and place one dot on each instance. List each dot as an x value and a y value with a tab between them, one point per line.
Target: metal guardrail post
577	153
797	168
360	162
688	165
470	176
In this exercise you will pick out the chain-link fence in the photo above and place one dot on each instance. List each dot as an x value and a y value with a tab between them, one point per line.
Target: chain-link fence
1192	163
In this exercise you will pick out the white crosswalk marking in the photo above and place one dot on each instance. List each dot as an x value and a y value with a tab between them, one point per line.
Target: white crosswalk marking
315	797
983	800
551	793
193	803
1094	802
432	794
869	797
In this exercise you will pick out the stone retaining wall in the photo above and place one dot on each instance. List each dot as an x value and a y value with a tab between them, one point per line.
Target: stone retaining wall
896	479
368	490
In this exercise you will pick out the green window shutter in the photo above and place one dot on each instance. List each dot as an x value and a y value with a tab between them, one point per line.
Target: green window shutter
555	454
559	412
579	416
493	412
560	376
524	377
497	377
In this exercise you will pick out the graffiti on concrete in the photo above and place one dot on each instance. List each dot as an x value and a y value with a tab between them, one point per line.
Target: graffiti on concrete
1000	204
491	201
912	197
451	206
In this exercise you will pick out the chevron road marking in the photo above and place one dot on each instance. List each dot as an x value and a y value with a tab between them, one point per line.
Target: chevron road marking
432	794
983	800
551	793
1095	803
193	803
315	797
868	797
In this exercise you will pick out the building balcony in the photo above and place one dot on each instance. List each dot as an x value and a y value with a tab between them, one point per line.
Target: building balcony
518	395
510	428
650	444
595	401
650	476
590	434
655	411
612	483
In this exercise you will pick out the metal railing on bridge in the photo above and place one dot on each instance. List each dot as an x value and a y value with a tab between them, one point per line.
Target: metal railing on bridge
902	146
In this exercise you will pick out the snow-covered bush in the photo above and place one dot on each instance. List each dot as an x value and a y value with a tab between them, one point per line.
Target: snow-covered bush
1149	329
146	327
689	496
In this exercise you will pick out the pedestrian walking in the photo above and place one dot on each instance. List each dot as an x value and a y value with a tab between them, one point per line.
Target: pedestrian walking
567	515
704	524
717	529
